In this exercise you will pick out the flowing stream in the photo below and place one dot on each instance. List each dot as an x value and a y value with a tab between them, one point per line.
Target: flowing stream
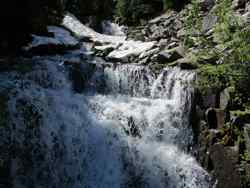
127	128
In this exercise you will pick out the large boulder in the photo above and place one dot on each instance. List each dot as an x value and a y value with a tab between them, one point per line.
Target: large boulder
225	161
167	56
209	22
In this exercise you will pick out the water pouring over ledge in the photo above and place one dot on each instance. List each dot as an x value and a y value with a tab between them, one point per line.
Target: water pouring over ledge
130	131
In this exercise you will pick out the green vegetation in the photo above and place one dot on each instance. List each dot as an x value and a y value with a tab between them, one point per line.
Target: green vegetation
227	22
224	54
246	156
219	77
192	24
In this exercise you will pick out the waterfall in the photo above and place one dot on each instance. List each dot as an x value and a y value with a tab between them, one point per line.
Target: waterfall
133	132
129	79
77	121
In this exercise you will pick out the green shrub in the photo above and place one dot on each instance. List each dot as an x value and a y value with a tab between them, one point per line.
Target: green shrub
214	77
230	44
193	24
218	77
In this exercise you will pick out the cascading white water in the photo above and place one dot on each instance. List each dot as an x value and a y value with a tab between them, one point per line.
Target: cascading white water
129	128
129	79
132	135
154	112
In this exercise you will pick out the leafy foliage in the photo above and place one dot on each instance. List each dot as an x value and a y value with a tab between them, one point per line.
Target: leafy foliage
216	77
228	49
193	23
219	77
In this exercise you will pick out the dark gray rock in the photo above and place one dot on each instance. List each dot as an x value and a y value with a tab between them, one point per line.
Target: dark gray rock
225	161
206	4
171	55
103	52
237	4
187	66
210	99
209	22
